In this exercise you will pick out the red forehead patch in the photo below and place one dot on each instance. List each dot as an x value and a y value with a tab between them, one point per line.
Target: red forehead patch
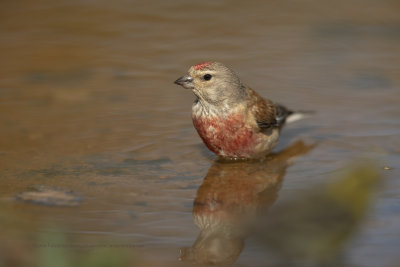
202	65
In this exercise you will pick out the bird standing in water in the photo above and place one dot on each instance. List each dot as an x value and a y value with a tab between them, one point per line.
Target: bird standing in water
231	118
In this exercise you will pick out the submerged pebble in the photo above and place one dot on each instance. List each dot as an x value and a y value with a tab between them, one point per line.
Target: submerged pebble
50	196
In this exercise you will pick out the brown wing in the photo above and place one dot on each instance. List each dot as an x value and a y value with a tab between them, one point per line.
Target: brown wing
266	113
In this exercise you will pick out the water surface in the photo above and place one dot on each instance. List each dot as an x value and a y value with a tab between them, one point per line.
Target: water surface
87	104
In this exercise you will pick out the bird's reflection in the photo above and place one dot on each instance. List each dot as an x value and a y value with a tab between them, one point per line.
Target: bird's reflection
231	197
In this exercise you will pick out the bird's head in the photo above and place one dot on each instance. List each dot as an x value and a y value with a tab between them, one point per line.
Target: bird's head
213	83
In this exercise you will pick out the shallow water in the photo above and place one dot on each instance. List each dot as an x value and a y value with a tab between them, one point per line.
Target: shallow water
87	104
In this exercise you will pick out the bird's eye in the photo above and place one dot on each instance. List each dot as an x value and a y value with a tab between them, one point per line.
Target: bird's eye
207	77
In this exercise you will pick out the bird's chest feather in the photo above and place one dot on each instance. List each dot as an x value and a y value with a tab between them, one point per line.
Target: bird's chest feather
226	135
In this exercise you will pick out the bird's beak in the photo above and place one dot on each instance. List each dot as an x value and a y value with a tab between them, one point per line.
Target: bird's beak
185	81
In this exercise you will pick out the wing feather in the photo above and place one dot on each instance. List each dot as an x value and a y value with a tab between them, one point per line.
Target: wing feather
266	113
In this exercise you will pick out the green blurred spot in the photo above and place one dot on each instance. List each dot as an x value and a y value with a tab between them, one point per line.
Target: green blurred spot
55	250
354	190
314	226
51	251
105	258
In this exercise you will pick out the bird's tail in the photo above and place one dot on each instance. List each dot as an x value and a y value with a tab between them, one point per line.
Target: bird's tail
298	115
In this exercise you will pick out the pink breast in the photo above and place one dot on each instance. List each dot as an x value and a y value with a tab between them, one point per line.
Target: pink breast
227	136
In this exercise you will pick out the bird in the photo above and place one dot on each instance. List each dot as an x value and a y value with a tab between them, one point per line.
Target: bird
232	119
